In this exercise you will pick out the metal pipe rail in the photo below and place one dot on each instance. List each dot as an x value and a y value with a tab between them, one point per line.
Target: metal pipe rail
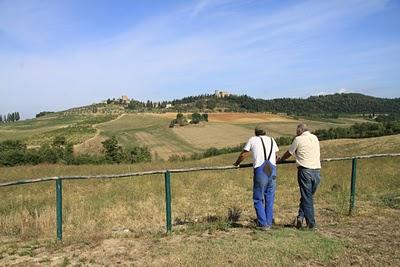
167	176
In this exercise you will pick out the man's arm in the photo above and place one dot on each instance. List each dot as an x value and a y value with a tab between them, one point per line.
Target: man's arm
292	149
241	157
284	157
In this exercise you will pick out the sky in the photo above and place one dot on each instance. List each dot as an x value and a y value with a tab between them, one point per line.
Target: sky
55	55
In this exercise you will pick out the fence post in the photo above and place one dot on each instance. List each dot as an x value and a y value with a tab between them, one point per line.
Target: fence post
353	185
59	208
168	200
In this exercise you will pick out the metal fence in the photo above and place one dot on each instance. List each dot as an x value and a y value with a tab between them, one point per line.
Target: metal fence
167	176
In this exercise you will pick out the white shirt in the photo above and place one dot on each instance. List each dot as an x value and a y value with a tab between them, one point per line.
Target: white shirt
255	146
306	149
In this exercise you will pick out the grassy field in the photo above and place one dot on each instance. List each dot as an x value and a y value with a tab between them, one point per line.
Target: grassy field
76	128
87	131
147	129
222	130
111	222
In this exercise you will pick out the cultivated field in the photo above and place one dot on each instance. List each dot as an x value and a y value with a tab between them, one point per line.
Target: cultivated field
222	130
121	222
147	129
76	128
87	131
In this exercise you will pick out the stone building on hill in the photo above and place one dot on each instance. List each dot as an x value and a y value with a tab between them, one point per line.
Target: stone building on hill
221	94
125	100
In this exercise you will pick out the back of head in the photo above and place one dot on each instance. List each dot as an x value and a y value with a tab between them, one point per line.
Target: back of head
301	128
260	130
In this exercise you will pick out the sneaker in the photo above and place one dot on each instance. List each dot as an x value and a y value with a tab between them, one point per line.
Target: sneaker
299	223
264	228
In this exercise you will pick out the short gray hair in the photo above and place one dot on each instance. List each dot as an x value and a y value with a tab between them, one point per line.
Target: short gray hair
303	127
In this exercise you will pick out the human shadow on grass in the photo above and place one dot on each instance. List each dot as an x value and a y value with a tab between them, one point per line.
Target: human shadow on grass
230	221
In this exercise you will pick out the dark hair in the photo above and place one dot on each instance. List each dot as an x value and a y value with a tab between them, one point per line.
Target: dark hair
259	132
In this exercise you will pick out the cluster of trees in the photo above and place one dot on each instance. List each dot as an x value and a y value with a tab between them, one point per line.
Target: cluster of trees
360	130
43	113
10	117
114	153
15	152
194	118
147	106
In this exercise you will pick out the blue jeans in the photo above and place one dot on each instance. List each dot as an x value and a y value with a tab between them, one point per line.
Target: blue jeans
263	196
308	183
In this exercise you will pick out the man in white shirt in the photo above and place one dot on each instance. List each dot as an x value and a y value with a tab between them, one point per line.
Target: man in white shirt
265	152
306	149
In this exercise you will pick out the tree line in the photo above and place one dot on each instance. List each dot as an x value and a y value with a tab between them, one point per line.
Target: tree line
10	117
384	125
15	152
329	106
323	104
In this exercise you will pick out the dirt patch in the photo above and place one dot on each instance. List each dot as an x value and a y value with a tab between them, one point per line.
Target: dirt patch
213	135
90	146
239	118
370	240
159	148
247	117
93	145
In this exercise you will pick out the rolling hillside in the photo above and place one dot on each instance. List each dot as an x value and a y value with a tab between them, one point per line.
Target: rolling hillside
88	131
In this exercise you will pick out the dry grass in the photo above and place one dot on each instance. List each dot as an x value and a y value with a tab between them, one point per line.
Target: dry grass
160	148
213	135
243	118
111	221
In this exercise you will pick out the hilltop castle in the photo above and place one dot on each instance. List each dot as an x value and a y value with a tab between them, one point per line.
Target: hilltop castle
221	94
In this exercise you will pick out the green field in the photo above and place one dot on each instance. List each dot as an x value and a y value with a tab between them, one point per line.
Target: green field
122	221
76	128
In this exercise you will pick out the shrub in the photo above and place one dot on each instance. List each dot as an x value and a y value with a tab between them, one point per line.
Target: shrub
113	152
139	154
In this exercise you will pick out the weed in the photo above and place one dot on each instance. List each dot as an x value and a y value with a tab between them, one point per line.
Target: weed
234	214
65	262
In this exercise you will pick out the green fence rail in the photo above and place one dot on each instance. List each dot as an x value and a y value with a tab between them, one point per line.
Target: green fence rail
167	176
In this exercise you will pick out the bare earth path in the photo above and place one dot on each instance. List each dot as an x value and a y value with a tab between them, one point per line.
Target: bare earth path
93	145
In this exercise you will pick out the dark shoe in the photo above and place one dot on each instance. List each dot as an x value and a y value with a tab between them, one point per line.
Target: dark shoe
299	223
312	227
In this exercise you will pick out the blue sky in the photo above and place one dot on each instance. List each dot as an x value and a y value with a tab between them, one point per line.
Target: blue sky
60	54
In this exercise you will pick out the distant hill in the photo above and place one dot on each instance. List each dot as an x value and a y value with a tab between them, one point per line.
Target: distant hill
323	104
330	106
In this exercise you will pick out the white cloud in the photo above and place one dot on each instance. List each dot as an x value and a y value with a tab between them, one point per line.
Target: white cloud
335	91
159	57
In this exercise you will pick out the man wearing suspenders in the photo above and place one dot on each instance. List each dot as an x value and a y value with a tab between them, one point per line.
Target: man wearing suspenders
265	152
